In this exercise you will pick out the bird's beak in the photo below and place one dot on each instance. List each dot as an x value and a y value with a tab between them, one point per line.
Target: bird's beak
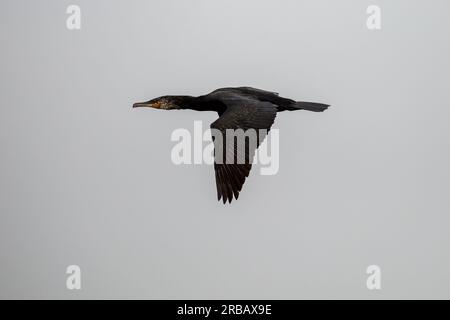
140	104
155	105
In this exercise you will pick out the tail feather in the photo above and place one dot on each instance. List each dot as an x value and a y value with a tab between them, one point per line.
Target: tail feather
310	106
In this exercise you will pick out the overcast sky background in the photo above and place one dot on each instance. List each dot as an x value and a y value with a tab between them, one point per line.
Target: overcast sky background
86	180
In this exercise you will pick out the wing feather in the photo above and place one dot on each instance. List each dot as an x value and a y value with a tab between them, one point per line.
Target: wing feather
244	113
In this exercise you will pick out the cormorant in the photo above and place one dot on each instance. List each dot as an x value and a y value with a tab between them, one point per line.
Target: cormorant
238	108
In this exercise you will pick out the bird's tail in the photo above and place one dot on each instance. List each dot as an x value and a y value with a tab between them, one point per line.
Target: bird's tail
310	106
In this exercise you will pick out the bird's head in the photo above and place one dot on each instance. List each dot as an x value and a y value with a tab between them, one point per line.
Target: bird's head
164	102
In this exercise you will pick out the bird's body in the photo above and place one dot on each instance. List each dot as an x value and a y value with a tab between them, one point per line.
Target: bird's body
238	108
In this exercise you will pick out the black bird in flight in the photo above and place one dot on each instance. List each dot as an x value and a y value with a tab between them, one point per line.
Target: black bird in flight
238	108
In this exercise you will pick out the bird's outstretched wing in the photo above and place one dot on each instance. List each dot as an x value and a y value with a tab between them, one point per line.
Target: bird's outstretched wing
241	113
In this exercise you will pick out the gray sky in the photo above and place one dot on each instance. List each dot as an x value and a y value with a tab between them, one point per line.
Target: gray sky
86	180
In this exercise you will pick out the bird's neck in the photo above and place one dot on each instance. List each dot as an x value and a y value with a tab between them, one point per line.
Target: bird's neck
193	103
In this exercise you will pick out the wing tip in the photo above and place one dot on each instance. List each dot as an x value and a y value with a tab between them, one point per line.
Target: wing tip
226	198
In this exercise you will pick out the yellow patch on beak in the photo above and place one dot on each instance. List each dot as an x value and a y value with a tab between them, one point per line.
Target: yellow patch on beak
156	105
